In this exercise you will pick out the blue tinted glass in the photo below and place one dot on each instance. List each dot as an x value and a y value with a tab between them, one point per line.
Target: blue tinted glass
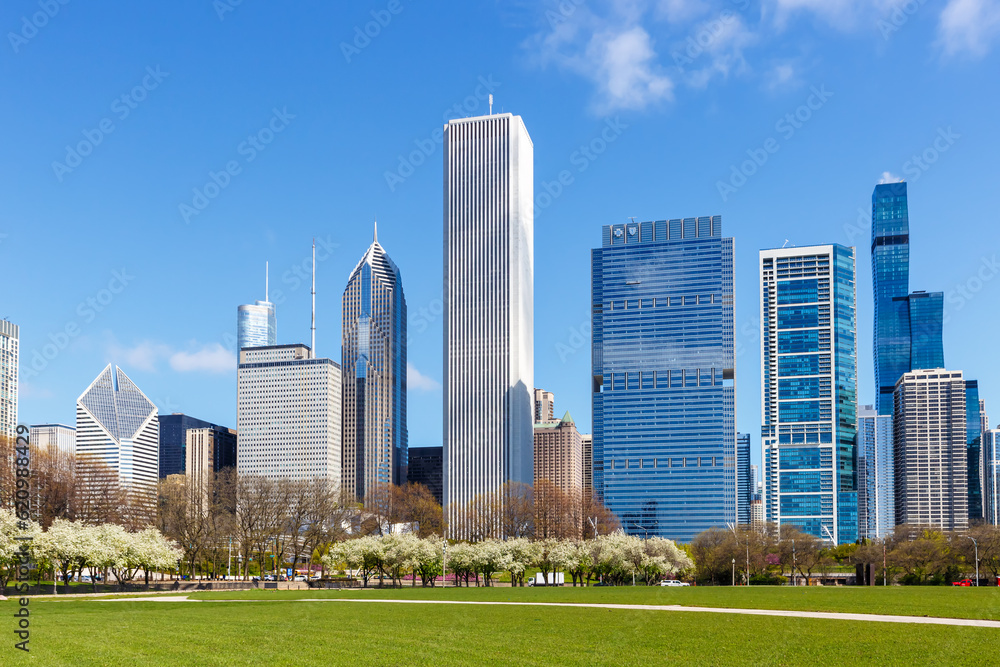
798	341
799	365
799	317
798	291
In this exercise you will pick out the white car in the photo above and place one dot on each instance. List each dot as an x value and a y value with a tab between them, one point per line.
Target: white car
673	582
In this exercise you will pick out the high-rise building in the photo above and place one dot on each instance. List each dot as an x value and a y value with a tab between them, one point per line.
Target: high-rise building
207	452
53	438
744	492
876	489
544	406
559	454
488	318
117	430
587	448
930	443
908	327
288	414
974	449
809	389
664	397
991	476
173	442
256	324
426	467
9	335
373	364
984	419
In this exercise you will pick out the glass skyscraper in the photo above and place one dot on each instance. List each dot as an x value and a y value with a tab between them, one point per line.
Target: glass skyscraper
256	324
974	449
664	398
373	362
809	389
908	327
744	492
876	488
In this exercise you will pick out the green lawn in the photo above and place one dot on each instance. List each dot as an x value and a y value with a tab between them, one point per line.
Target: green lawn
77	632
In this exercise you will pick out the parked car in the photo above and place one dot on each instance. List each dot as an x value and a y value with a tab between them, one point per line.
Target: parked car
963	582
299	577
673	582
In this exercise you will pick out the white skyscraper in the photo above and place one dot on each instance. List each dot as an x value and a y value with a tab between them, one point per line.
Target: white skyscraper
119	428
54	437
991	476
288	414
8	378
489	311
876	485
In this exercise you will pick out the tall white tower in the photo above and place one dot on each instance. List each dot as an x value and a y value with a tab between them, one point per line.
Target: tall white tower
489	309
8	378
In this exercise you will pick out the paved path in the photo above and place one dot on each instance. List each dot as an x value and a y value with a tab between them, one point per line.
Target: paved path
823	615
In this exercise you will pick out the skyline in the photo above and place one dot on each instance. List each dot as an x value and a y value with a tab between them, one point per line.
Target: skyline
171	302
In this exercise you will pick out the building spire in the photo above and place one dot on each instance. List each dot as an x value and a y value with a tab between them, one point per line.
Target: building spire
267	281
313	342
376	229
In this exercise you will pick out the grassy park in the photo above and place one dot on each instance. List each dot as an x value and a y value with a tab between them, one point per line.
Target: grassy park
267	627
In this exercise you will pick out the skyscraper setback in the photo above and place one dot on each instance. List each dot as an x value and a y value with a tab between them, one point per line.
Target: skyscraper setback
488	295
373	363
664	395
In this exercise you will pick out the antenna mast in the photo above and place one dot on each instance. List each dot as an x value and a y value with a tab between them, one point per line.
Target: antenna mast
313	346
267	281
491	104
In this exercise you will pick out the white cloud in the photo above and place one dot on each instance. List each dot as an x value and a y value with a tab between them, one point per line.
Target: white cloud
969	26
723	41
29	390
418	381
143	356
211	358
889	177
781	75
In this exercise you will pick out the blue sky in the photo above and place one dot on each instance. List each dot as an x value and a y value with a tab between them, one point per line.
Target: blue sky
155	155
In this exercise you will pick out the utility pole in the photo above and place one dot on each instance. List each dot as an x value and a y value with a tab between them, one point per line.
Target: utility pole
977	556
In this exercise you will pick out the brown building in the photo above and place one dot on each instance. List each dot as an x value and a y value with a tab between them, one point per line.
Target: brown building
587	441
559	454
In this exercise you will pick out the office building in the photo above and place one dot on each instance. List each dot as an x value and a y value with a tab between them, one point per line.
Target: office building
809	389
288	414
256	324
876	488
426	466
544	406
991	476
559	455
587	447
930	442
117	433
373	364
664	397
757	512
488	318
53	438
9	341
974	450
908	327
744	492
173	442
207	452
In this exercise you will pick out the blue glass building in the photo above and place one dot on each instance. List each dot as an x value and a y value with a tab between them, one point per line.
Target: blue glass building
974	449
744	491
664	442
908	327
173	443
809	389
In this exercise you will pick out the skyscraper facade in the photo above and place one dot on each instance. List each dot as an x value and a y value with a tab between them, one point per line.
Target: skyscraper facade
744	493
425	466
544	406
207	451
53	438
664	397
9	354
974	449
876	488
488	295
587	447
991	476
288	414
256	324
173	441
930	443
117	429
559	455
373	364
809	389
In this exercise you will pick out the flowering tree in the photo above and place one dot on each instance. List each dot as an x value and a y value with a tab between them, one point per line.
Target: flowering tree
10	545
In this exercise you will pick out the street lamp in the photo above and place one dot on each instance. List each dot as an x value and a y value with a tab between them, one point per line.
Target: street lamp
794	579
734	572
977	555
444	564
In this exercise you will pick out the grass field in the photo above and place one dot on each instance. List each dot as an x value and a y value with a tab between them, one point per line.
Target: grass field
281	631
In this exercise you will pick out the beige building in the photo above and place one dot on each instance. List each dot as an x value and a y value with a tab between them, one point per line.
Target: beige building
587	444
559	454
544	406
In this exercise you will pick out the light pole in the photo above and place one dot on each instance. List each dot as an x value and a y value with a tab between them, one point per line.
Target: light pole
976	544
734	572
444	563
795	582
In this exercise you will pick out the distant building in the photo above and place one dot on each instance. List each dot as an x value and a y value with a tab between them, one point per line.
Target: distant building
991	476
876	473
744	492
559	454
9	334
288	414
757	512
544	406
974	449
53	438
207	452
173	441
587	445
426	467
930	442
118	428
256	324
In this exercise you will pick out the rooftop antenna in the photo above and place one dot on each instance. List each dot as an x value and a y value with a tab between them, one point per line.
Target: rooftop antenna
376	229
491	104
313	346
785	243
267	282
